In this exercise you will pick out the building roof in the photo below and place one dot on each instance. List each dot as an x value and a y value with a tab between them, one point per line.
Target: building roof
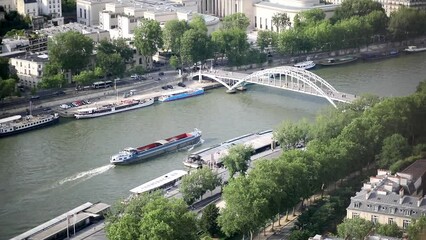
416	169
159	182
30	1
33	57
81	28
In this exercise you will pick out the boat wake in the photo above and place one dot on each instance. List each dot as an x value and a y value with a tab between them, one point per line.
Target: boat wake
197	144
87	174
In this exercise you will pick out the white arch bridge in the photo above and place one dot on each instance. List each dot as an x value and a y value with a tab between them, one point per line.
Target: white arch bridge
285	77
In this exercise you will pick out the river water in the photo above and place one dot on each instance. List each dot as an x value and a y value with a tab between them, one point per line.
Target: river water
47	172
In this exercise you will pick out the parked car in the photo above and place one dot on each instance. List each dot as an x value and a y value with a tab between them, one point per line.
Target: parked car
59	93
34	97
170	86
181	84
134	76
141	78
161	74
165	87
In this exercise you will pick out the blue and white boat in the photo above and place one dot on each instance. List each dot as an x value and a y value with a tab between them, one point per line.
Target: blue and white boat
181	94
132	155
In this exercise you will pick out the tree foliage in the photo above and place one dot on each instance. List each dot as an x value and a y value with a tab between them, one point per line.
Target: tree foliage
148	38
351	8
390	230
266	39
417	230
70	51
407	23
208	221
7	87
237	159
151	216
236	20
355	228
13	20
195	47
281	21
198	23
291	135
196	184
172	35
394	148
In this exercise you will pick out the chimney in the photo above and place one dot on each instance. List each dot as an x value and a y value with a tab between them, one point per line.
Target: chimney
419	201
401	192
401	199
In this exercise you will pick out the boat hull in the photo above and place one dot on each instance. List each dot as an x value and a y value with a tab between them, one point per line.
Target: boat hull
337	62
170	147
183	96
114	111
46	124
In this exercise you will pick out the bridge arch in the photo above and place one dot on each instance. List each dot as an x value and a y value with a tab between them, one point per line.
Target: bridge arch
284	77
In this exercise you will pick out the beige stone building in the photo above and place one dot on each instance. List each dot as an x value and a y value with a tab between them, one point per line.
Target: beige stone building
388	198
29	68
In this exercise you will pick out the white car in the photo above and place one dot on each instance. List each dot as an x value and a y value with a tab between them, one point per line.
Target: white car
134	76
64	106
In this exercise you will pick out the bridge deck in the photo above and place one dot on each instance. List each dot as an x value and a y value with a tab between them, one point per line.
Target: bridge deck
291	86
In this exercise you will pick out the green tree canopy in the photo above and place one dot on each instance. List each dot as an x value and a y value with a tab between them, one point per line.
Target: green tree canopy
290	134
407	23
281	21
148	38
52	76
70	51
391	230
237	159
172	34
208	221
236	20
196	184
198	23
350	8
266	39
356	228
394	148
151	216
417	230
195	47
7	87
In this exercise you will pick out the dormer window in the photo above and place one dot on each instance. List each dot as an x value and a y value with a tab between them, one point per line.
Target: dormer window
357	204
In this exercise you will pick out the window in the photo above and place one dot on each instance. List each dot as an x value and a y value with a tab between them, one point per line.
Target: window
255	21
355	215
81	12
405	224
374	219
260	22
390	220
266	23
376	208
357	204
85	16
407	212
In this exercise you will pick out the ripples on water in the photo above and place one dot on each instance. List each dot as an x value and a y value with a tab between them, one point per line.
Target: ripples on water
47	172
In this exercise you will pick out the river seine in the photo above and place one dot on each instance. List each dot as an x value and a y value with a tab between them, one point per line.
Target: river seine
47	172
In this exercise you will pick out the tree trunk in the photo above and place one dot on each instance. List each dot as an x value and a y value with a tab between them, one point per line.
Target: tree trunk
286	215
279	219
251	235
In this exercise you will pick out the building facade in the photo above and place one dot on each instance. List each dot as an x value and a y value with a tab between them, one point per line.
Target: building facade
8	5
95	33
392	5
88	11
29	68
260	12
388	198
27	7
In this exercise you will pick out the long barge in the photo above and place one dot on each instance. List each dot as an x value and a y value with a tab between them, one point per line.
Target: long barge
18	124
132	155
212	156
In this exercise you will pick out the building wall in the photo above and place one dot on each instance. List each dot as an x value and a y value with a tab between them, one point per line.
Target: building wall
402	222
88	11
29	72
8	5
30	9
50	7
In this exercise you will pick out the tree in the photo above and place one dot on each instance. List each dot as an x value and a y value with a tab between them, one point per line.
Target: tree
174	62
236	20
237	159
291	135
4	68
355	228
151	216
85	77
7	87
390	230
281	20
406	23
148	38
208	221
352	8
198	23
394	148
52	76
195	47
13	20
232	43
417	230
196	184
172	34
70	51
112	63
266	39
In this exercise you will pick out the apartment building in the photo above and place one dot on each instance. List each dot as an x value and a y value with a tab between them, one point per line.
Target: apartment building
388	198
95	33
37	43
88	11
29	68
27	7
8	5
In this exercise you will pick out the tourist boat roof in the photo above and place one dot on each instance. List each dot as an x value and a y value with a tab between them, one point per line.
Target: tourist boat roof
255	140
10	119
180	91
160	181
87	109
305	63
